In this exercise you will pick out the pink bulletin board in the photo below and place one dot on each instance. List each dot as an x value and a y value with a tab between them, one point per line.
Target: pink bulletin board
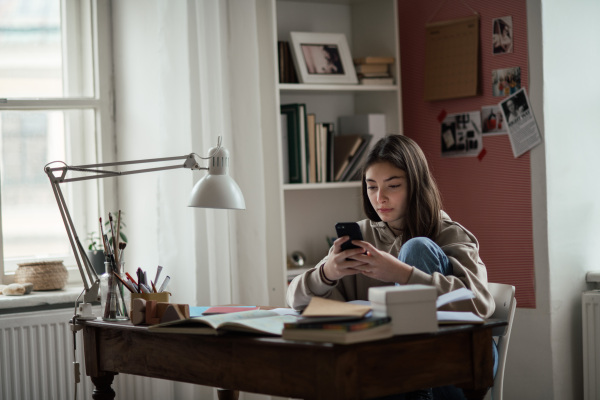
491	194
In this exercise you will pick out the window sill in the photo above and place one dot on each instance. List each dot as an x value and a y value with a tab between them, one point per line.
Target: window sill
40	300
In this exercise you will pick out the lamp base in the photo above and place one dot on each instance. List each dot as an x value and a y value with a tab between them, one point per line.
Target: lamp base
84	312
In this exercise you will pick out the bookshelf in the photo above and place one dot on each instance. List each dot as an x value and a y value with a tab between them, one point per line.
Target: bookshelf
309	211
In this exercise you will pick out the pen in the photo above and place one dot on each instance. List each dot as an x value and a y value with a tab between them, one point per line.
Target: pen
158	271
164	284
144	288
130	278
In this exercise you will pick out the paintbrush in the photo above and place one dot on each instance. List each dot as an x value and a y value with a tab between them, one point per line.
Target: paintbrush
112	232
103	239
117	241
122	246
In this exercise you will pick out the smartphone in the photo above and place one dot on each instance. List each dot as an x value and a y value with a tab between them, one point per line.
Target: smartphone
348	229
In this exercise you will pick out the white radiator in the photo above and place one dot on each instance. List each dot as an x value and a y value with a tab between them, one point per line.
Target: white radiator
36	362
591	344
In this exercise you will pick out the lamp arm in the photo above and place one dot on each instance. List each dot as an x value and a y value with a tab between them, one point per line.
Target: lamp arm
91	282
190	163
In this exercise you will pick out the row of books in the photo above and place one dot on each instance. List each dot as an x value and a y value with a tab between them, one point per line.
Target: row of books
314	153
374	70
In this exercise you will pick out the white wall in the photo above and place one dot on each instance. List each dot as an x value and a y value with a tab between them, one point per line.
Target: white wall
571	101
545	356
529	362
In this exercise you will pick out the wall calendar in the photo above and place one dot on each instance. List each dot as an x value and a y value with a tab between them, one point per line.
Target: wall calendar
451	59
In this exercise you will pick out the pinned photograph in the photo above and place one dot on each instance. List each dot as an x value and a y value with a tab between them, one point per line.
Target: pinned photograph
523	131
492	121
502	35
461	135
506	81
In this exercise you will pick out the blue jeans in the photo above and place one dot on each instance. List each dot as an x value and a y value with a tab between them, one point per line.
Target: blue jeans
425	255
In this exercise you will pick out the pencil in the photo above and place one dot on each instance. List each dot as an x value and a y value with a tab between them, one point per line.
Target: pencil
122	281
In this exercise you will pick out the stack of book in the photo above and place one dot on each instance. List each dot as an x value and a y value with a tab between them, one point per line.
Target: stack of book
374	70
313	153
342	332
326	320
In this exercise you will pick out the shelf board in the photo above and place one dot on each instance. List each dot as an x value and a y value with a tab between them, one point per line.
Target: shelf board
327	185
307	88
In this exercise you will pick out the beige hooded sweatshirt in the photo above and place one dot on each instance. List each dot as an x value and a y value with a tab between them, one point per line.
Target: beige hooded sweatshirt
458	244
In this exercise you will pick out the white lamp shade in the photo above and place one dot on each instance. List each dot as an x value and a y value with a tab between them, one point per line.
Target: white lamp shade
217	191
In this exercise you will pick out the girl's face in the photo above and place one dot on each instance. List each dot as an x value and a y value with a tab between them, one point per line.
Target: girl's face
387	188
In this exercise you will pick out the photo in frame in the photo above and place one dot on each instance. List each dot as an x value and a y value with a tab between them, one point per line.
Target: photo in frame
322	58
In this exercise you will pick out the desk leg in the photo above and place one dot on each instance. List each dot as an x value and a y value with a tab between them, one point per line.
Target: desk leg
103	390
227	394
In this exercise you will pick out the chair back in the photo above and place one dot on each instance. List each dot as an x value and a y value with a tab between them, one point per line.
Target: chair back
504	297
506	304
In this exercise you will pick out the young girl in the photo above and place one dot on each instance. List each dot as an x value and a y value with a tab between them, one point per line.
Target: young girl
408	239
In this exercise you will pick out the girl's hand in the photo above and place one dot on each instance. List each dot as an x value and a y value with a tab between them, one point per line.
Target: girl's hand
342	263
380	265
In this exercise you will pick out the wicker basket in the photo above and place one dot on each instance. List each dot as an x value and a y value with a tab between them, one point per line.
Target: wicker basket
45	275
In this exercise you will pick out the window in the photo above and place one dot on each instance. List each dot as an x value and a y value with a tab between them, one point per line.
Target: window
54	106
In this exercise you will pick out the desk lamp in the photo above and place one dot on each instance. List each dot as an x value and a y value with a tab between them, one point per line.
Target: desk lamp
215	190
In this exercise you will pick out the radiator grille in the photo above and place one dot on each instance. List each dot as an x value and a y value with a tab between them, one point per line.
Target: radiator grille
36	362
591	344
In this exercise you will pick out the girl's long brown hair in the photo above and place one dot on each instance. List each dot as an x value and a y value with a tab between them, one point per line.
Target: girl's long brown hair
424	204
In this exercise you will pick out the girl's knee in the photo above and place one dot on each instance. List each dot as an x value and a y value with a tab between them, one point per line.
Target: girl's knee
425	255
418	244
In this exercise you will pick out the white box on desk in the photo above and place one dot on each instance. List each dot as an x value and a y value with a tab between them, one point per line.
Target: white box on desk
411	307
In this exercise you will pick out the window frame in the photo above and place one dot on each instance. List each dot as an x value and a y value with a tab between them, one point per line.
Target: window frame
102	102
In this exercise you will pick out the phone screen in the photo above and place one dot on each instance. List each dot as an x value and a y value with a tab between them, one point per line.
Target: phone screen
348	229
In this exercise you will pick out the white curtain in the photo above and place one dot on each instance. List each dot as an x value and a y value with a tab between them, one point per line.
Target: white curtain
224	36
186	73
229	95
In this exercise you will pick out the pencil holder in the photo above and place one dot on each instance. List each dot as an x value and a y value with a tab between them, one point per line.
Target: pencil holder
162	297
112	297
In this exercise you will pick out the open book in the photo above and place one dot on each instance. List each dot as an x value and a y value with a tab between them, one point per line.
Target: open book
456	317
254	321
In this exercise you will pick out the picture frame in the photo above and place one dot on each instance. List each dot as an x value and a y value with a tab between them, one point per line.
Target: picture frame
323	58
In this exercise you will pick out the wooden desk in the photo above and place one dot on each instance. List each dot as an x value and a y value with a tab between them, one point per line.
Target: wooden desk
460	355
